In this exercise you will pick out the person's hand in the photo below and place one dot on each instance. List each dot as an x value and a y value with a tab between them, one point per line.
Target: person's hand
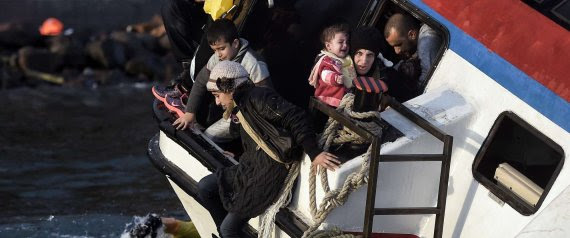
228	154
327	161
185	121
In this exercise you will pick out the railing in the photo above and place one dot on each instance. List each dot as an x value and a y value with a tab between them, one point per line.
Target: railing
376	158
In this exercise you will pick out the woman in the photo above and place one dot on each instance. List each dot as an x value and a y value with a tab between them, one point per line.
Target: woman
370	82
366	44
235	194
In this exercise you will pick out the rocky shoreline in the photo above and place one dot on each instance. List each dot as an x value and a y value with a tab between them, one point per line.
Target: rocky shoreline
82	58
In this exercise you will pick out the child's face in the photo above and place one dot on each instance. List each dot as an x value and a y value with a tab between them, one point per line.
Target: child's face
338	45
225	50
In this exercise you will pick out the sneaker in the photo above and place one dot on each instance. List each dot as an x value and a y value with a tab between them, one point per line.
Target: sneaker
173	91
176	89
175	104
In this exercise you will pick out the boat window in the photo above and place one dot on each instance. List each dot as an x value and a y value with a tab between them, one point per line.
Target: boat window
437	39
518	163
557	10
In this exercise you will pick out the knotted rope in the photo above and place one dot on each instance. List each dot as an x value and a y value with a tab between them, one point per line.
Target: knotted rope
336	134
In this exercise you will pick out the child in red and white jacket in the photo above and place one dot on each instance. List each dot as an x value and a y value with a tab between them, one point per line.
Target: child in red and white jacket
333	73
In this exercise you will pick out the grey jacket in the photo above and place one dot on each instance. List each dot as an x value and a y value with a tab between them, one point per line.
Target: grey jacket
256	68
429	42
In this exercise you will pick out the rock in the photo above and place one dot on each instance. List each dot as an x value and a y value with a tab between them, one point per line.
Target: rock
70	49
107	52
113	77
16	35
41	60
155	27
149	65
150	43
10	77
137	43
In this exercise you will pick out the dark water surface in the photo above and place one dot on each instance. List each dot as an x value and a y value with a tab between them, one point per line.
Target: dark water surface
73	162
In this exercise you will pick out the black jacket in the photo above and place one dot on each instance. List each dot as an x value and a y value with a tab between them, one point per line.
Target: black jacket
251	186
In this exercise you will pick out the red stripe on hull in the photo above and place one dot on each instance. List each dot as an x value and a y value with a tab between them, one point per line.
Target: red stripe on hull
519	34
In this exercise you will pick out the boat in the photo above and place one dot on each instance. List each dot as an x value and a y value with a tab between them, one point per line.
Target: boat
478	153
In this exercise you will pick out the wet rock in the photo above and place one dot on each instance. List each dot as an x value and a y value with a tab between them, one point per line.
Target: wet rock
114	77
148	65
93	78
10	77
70	49
107	52
154	27
138	43
150	43
16	35
41	60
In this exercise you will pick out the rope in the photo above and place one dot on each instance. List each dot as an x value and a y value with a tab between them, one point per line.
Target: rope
268	217
336	134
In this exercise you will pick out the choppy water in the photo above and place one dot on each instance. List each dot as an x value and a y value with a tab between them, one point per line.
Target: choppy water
73	162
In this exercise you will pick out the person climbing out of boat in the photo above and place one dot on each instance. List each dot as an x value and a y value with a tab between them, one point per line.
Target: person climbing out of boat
224	40
235	194
365	47
416	44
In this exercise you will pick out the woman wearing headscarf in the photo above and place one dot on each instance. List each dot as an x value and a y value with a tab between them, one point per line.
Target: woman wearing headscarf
235	194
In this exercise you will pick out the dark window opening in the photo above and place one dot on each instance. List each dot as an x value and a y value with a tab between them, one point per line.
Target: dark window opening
537	158
287	37
407	87
557	10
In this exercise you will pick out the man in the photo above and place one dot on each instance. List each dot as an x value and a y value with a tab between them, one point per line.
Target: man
183	22
235	194
412	42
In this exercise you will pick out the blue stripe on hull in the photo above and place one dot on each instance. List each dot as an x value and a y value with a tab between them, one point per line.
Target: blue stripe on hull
517	82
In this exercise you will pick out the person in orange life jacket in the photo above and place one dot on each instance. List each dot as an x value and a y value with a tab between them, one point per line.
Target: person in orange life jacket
365	46
235	194
333	73
224	40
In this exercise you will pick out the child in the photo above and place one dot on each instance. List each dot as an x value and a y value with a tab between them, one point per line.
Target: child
333	73
224	40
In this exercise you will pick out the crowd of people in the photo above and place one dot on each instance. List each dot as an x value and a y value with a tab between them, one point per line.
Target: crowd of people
231	96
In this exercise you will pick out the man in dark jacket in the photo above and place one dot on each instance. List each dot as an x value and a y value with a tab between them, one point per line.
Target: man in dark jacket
233	195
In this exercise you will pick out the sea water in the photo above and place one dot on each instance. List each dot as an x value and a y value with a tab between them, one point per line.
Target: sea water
73	162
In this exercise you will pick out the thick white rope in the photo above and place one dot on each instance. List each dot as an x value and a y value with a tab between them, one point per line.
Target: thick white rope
268	217
334	133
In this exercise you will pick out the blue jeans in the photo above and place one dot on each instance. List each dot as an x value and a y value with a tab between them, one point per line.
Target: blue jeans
229	224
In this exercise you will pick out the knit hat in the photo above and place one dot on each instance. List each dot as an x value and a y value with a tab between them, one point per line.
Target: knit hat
226	76
368	38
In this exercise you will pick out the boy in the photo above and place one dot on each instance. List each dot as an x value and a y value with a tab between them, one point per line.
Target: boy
333	73
223	38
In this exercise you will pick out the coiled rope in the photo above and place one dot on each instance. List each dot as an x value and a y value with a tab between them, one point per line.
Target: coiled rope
336	134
